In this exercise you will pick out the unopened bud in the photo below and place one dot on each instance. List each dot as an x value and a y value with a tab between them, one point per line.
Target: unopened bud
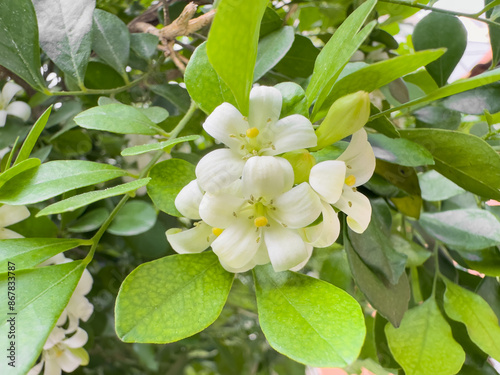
302	162
345	117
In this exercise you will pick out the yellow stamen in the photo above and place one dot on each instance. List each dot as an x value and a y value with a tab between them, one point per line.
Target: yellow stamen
252	132
260	221
217	231
350	180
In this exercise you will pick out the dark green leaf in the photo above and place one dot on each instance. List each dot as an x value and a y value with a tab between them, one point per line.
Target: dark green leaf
92	220
416	254
494	32
438	30
382	124
486	261
134	218
437	117
144	44
476	101
272	48
400	151
299	60
295	308
436	187
190	291
174	93
271	21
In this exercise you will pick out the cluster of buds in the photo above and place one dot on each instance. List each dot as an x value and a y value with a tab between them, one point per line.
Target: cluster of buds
263	198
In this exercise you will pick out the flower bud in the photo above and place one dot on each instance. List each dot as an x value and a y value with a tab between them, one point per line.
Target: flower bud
345	117
302	162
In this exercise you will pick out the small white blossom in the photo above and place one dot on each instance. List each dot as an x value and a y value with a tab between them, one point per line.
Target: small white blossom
18	109
11	215
261	134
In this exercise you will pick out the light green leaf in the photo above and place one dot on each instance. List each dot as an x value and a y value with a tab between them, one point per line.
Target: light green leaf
473	311
423	344
65	34
337	52
41	296
29	252
167	180
204	84
400	151
465	159
272	48
436	187
54	178
134	218
19	50
467	229
307	319
117	118
438	30
374	76
32	137
111	40
155	114
92	220
85	199
171	298
142	149
232	45
294	99
17	169
144	45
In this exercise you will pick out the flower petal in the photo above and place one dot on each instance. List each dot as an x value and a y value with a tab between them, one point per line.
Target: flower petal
218	209
84	286
188	200
52	367
357	207
265	107
12	214
297	207
3	117
193	240
325	233
291	133
80	308
10	89
226	124
19	109
327	179
359	158
78	340
285	247
237	245
56	336
218	169
301	265
35	370
266	176
7	234
68	361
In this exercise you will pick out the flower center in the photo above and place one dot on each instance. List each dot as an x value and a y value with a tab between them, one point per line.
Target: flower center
252	132
217	231
260	221
350	180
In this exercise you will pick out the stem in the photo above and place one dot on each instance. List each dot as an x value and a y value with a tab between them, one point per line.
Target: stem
415	285
488	7
437	273
175	131
474	16
98	91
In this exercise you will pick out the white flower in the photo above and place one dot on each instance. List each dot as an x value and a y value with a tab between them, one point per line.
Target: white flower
18	109
62	353
262	133
11	215
335	181
258	219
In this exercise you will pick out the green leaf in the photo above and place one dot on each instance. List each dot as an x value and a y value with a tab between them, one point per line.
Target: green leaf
391	301
117	118
204	84
142	149
65	34
167	180
417	255
423	344
300	58
400	151
155	114
191	291
295	309
92	220
436	187
134	218
175	94
337	52
473	311
54	178
85	199
486	261
294	99
475	101
467	229
271	21
30	252
437	117
17	169
41	296
494	32
19	50
438	30
465	159
32	137
272	48
382	124
36	227
111	40
144	45
374	76
232	46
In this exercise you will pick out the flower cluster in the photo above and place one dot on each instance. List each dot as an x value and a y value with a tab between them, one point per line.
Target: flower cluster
263	199
63	350
18	109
